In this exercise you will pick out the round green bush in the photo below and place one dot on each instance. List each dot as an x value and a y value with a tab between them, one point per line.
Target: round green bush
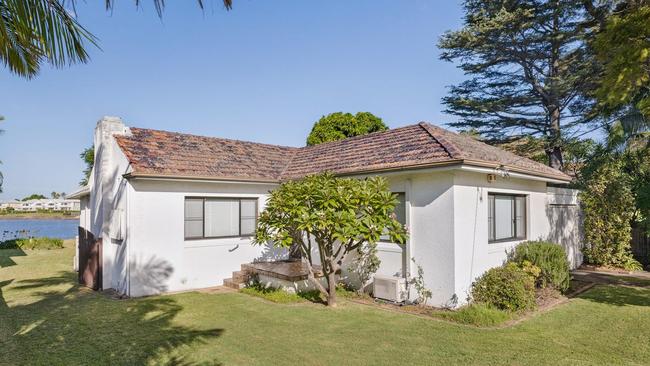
550	258
507	288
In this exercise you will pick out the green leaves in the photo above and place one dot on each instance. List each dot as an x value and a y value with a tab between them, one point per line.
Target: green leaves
35	31
339	125
335	211
624	49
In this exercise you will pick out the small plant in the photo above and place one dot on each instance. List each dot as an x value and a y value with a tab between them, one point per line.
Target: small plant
550	258
424	294
506	288
32	243
366	264
278	295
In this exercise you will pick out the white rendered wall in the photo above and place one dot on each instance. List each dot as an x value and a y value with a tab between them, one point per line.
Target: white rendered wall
473	254
162	260
429	219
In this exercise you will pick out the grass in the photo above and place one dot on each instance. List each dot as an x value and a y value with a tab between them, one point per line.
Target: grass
46	319
480	315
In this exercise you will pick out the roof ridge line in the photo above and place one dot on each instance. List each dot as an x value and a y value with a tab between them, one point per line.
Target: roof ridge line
451	149
212	137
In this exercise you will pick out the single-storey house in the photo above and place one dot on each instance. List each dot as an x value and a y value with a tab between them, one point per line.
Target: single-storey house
167	211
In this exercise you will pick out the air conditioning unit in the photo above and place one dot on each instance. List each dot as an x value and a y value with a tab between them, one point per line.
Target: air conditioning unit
390	288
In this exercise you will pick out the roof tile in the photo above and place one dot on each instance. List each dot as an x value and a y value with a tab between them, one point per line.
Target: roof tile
161	153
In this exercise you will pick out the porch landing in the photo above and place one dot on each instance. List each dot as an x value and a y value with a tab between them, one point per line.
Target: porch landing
291	271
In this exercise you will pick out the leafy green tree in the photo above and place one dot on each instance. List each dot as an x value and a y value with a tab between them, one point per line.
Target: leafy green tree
339	125
34	196
329	217
623	47
527	65
34	32
88	157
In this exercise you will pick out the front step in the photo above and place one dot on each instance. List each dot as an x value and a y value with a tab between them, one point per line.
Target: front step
238	279
228	282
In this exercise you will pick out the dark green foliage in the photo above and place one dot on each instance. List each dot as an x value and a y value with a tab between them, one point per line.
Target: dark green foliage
550	258
506	288
526	64
339	125
33	196
32	243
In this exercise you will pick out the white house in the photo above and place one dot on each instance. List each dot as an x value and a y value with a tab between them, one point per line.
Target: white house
54	204
167	211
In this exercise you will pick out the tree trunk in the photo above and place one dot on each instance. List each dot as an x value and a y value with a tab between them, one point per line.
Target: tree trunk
554	149
331	296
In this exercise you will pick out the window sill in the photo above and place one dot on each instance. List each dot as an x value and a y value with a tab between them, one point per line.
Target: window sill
501	245
217	242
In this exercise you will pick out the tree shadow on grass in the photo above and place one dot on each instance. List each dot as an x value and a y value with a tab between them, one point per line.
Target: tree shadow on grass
6	254
618	295
65	324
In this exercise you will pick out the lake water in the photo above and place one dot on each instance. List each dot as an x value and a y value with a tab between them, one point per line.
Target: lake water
62	229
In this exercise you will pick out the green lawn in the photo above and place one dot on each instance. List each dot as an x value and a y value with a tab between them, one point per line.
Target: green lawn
45	318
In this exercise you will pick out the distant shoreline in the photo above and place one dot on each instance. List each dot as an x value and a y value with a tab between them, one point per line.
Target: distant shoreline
14	217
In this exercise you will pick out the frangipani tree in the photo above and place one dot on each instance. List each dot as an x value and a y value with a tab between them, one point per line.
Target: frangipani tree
329	217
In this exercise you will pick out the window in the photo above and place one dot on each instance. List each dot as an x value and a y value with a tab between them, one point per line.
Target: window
219	217
506	217
400	212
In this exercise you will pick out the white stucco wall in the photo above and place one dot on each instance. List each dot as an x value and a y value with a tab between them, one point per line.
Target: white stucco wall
473	254
162	260
429	219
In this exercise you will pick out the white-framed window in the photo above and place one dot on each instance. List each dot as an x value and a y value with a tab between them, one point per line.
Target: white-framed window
219	217
506	217
400	212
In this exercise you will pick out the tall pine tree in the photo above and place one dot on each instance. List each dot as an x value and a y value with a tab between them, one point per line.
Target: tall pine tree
527	64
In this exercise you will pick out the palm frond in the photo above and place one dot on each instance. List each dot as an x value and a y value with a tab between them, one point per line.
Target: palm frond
159	5
37	31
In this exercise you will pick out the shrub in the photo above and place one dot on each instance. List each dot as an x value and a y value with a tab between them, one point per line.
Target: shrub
550	258
609	207
32	243
506	288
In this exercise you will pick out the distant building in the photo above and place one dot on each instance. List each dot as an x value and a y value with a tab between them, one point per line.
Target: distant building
53	204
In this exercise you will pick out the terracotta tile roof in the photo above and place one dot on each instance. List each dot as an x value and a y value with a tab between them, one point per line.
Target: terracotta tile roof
162	153
159	153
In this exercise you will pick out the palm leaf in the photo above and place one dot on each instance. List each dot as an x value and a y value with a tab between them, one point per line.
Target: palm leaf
33	32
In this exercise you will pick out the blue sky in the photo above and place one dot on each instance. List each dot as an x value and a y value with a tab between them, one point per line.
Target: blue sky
265	71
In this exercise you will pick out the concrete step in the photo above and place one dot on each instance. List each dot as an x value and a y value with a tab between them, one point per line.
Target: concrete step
240	276
228	282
